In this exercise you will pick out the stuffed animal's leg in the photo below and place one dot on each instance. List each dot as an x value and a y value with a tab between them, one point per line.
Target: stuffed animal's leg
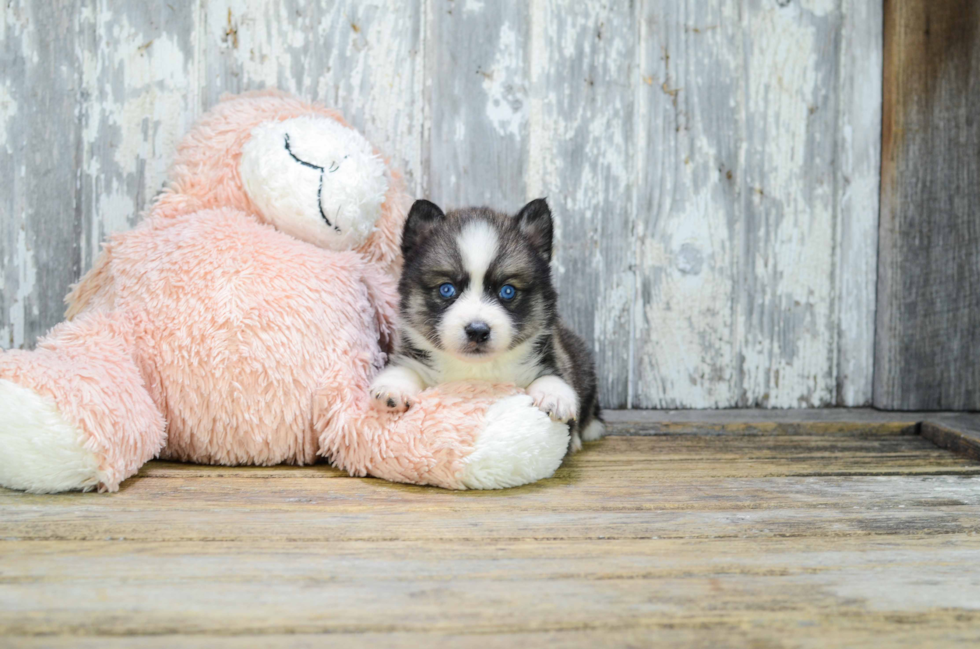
74	413
456	436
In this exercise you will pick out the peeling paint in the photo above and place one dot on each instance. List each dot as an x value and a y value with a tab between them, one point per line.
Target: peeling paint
8	110
688	197
857	186
38	127
785	318
712	165
503	83
139	106
477	76
362	58
26	278
581	158
820	7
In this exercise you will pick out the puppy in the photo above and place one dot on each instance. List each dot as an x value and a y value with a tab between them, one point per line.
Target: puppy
478	303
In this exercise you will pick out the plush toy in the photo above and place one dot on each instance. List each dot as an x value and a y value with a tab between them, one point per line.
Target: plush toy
242	321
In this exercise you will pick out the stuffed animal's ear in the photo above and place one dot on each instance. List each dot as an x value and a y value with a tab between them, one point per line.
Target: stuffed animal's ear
423	216
534	220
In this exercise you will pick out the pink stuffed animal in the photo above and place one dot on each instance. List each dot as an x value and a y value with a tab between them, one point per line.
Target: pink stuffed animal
242	322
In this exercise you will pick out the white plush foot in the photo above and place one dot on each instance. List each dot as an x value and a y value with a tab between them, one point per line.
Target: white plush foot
40	451
518	445
396	388
555	397
576	444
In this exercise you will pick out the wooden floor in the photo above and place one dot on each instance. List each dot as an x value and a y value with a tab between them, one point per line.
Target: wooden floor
687	534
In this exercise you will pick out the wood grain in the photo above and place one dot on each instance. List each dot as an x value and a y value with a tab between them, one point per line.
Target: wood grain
363	58
785	318
448	588
690	136
40	155
756	204
928	327
477	78
140	94
712	165
582	147
857	193
959	432
853	537
868	417
939	629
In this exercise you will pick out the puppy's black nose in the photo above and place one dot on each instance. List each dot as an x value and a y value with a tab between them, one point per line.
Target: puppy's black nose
477	332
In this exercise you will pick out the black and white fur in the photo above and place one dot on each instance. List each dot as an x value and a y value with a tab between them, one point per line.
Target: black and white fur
477	333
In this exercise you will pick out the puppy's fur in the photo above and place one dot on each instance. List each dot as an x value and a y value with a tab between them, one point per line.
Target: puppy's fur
481	329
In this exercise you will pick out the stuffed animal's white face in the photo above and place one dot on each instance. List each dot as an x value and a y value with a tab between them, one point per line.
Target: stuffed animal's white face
315	179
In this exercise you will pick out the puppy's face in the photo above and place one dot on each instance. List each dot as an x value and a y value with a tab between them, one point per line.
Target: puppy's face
477	283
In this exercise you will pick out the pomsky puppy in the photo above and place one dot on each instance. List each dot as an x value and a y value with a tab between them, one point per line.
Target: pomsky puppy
478	303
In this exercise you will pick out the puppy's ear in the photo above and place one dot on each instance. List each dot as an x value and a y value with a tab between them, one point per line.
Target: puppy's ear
534	220
423	216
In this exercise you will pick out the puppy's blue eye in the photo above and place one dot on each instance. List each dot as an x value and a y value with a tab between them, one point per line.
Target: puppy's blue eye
447	290
507	292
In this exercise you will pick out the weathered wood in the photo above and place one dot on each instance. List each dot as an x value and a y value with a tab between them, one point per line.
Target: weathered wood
582	148
41	154
786	330
756	205
928	319
140	94
866	417
959	433
857	193
688	157
682	540
650	126
822	421
363	58
810	630
376	587
477	81
681	486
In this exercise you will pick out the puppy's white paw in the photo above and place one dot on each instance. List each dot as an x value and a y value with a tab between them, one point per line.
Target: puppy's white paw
393	396
396	389
555	397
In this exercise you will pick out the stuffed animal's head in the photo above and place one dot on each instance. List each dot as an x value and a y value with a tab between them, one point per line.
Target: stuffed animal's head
315	179
296	166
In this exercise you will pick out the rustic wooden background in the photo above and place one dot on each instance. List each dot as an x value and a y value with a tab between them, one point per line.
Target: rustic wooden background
928	342
714	163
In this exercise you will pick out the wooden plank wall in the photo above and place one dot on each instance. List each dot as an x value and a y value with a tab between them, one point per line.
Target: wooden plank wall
928	343
713	163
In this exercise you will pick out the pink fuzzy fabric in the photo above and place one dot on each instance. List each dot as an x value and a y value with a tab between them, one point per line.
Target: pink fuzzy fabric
202	179
364	440
87	368
254	347
246	326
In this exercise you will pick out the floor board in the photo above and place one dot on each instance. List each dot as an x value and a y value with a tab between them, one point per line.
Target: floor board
775	536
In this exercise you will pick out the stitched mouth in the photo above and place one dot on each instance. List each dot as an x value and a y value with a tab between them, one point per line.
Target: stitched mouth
319	190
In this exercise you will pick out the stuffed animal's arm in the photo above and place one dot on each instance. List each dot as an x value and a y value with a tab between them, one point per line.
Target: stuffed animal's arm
456	436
